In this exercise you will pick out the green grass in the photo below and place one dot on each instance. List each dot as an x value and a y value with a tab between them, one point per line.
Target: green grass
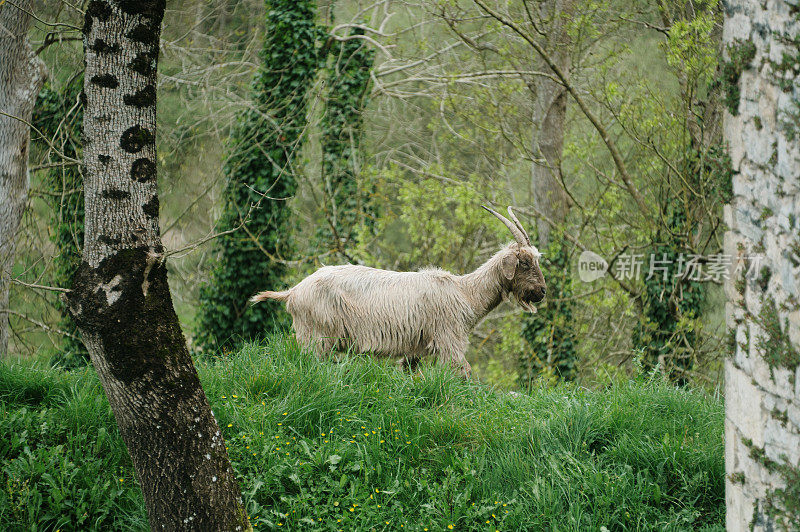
359	445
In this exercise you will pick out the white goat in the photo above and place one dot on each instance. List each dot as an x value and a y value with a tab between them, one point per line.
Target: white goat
409	315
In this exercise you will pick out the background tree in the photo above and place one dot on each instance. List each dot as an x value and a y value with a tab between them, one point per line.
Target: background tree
261	180
674	293
120	298
21	76
549	332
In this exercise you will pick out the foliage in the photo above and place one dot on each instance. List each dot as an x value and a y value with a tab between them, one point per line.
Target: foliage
549	333
691	46
432	221
690	195
261	178
59	117
359	445
348	76
672	300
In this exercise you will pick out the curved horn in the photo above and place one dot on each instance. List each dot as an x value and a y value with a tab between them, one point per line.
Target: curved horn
519	236
519	225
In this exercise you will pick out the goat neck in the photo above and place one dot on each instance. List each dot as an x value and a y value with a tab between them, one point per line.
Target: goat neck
486	287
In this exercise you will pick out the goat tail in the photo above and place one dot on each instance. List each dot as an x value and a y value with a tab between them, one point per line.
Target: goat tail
268	294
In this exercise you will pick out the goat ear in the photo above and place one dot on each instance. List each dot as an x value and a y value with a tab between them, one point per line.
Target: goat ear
509	265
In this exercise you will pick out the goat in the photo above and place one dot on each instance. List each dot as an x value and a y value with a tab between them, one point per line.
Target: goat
409	315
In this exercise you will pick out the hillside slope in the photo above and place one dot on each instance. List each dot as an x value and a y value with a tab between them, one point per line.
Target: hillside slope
359	445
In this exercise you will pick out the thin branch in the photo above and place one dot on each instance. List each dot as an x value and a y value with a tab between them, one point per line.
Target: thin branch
604	134
38	323
625	286
49	143
41	287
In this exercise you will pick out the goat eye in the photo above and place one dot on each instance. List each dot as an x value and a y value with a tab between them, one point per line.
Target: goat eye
526	264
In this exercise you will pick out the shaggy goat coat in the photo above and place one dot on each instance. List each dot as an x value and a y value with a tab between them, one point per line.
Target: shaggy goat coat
404	315
408	315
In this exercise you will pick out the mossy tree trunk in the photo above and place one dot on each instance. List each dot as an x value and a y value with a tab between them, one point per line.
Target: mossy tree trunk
120	298
261	178
21	77
342	133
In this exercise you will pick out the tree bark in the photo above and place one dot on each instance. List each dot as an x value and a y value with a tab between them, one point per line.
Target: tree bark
21	78
549	118
120	298
762	373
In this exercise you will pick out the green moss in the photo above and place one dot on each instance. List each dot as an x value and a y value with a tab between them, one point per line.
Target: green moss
776	346
740	285
737	478
741	53
759	455
783	504
780	416
763	278
730	342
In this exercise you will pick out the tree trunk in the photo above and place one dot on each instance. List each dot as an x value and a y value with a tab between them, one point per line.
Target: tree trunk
549	332
762	375
549	118
120	298
21	78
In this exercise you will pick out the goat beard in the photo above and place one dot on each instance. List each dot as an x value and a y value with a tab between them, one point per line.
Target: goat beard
528	307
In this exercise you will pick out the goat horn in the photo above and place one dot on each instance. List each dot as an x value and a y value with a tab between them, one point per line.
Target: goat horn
519	236
519	225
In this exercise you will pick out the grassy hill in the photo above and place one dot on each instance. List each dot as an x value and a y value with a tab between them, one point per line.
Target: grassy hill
359	445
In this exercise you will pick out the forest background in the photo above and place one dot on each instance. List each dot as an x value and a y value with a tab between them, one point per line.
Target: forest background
392	124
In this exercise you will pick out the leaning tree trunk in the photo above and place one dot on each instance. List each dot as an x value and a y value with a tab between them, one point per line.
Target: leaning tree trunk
120	297
21	78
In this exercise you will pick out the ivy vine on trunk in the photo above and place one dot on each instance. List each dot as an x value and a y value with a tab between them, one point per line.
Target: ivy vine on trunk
346	203
549	333
261	179
59	117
